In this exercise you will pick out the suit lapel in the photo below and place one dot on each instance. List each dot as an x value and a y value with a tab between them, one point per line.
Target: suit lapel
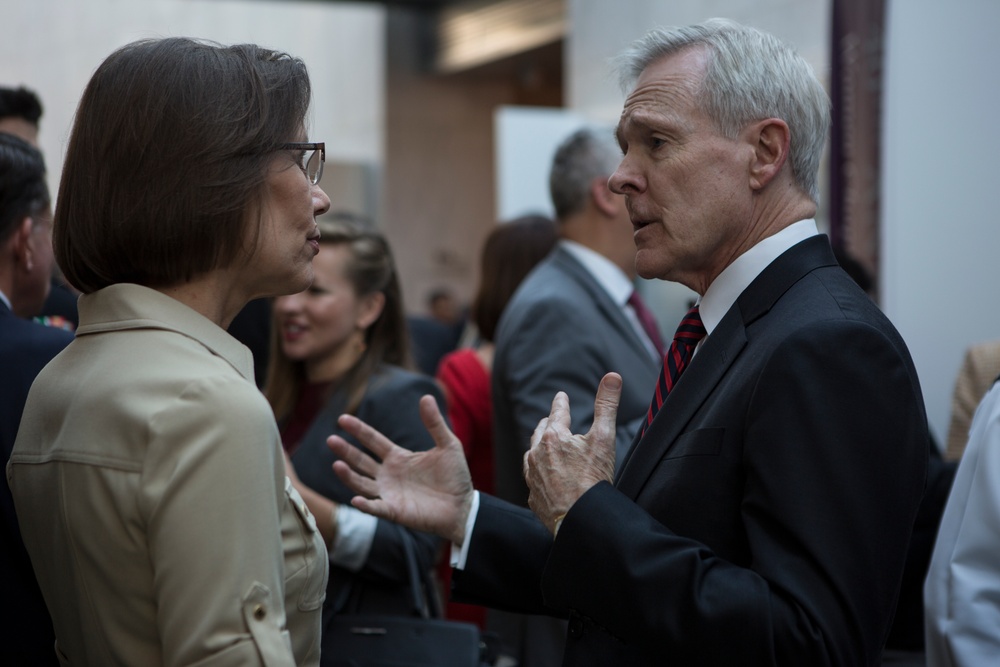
714	358
709	365
611	311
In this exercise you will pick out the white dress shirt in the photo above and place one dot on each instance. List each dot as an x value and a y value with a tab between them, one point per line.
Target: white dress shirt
962	590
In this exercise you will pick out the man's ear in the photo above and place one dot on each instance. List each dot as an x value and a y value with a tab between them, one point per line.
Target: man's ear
606	201
372	306
770	139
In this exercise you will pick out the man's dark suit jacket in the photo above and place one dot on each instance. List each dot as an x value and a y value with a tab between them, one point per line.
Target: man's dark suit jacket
763	518
26	636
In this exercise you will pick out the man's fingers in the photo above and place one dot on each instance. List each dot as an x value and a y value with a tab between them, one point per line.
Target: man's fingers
606	407
360	484
559	414
543	424
356	458
376	443
435	424
375	507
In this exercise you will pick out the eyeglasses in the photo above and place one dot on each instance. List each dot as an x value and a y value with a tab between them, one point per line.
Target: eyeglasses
312	158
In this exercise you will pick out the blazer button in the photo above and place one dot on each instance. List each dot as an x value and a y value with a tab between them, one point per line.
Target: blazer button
575	627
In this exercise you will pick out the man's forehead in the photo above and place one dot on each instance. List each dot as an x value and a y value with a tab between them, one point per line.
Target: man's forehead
666	85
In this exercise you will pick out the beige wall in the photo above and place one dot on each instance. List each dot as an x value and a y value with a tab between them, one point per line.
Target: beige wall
438	183
53	46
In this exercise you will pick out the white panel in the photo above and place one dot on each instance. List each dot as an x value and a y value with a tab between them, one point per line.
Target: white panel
526	139
941	139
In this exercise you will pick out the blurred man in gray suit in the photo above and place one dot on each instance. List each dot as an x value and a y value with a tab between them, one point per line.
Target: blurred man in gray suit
573	319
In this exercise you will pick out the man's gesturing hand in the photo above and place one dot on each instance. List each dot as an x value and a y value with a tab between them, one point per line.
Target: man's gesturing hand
560	466
429	491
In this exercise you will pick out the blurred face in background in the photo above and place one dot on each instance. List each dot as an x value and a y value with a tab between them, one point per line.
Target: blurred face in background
324	326
32	283
20	127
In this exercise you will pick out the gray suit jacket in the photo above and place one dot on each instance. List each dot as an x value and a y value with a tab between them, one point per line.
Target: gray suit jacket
561	332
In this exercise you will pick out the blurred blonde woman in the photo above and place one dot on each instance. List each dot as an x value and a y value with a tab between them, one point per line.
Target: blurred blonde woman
339	347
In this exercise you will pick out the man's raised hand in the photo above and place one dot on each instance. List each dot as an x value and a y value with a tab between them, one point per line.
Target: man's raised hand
429	491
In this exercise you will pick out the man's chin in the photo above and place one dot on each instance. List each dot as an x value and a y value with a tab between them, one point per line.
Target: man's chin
647	270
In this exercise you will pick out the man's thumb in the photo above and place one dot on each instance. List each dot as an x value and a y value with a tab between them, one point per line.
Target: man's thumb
606	406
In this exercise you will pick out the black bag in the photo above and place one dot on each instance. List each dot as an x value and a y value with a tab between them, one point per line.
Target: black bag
376	640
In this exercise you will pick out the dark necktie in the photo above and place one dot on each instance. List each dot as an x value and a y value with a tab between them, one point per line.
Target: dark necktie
647	321
689	332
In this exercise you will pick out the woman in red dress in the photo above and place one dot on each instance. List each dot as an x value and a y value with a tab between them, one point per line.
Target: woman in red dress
511	250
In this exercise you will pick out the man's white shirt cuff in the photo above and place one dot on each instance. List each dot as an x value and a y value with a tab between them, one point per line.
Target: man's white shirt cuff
355	534
460	552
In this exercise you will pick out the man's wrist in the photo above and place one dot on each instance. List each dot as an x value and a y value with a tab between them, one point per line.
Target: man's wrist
556	525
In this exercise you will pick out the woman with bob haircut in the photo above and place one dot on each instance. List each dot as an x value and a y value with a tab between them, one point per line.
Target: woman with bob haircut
342	347
147	474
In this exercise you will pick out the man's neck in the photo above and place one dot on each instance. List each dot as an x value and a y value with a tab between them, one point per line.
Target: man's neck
579	231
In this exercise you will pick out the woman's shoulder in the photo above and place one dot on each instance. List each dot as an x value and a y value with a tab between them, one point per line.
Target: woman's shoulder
390	381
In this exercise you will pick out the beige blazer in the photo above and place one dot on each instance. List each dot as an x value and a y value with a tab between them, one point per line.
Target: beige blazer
980	368
150	488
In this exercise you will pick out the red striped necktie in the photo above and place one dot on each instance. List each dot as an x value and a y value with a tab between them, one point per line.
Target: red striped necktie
689	332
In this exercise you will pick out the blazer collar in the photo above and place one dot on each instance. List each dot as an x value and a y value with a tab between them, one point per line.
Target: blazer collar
714	358
125	306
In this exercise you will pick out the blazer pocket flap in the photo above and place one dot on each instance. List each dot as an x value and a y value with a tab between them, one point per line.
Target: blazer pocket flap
701	442
265	621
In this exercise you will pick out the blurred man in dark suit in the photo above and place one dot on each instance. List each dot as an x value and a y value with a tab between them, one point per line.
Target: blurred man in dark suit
26	261
20	115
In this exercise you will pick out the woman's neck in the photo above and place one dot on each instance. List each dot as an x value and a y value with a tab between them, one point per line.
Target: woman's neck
335	365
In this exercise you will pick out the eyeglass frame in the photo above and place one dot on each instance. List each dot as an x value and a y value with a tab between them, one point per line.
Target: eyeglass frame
309	146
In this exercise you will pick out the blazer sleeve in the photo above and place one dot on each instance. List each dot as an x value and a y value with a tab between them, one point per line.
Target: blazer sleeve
824	439
507	552
213	485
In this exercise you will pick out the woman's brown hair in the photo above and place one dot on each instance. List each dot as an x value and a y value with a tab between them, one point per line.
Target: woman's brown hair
167	160
511	250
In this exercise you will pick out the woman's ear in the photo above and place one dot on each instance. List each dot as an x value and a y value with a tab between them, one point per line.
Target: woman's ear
770	139
369	309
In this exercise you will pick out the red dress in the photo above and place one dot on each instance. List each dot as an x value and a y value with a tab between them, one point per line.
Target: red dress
466	385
